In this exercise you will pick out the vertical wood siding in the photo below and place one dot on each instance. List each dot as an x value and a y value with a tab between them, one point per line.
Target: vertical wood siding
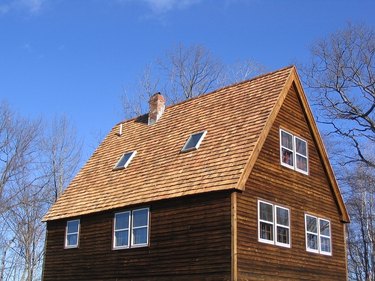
190	239
301	193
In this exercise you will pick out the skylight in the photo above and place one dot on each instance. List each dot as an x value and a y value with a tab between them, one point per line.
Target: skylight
125	160
194	141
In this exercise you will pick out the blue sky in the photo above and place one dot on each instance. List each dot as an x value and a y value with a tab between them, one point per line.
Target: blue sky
74	57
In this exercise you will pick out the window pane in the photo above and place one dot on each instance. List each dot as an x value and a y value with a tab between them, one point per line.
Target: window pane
286	140
311	224
325	244
140	217
312	241
282	235
324	228
301	147
266	212
122	238
73	226
301	163
193	140
282	216
72	239
122	220
287	156
266	231
123	162
140	236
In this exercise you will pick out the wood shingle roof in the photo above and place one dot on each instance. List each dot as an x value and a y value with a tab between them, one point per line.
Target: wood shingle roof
236	119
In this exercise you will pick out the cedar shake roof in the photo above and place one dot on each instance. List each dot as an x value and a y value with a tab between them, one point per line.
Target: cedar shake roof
237	119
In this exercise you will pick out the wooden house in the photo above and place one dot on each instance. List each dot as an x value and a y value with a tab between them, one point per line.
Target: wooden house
232	185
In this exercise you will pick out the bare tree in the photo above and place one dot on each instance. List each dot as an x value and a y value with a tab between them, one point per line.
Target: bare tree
191	71
183	73
17	136
342	79
361	232
35	168
61	153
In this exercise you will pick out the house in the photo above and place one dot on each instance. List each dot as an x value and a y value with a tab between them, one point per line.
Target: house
231	185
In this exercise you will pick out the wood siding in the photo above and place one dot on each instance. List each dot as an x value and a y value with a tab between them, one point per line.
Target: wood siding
302	194
190	239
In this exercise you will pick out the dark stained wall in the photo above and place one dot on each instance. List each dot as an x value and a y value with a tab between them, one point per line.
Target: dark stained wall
301	193
190	239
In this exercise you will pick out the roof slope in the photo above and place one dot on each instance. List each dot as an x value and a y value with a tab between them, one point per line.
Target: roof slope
236	119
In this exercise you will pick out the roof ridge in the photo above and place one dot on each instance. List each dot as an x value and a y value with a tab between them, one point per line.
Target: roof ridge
215	91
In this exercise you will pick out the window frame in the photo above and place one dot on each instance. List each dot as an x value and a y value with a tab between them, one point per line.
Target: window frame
274	224
131	244
126	164
294	152
295	138
66	245
318	235
122	229
184	149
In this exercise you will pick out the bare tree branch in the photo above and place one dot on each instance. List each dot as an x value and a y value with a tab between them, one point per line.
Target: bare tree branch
341	77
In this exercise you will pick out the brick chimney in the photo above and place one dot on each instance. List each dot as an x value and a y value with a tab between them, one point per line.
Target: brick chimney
157	106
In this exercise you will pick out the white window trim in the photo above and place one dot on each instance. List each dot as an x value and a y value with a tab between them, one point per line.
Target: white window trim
264	221
287	245
72	233
133	153
281	151
130	230
294	152
319	235
139	227
274	225
122	229
325	236
184	149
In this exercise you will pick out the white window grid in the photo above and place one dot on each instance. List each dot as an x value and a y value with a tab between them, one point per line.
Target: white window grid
274	224
140	227
327	237
67	234
318	236
294	153
286	148
301	155
282	226
119	230
266	222
130	229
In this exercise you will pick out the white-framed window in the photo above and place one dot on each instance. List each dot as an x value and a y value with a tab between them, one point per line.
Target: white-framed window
131	228
194	141
273	224
121	232
318	235
125	160
293	152
140	224
72	233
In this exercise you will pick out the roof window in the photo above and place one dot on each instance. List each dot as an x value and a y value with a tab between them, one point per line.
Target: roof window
194	141
125	160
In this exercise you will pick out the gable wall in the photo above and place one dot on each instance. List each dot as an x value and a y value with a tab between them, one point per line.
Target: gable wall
188	241
300	193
